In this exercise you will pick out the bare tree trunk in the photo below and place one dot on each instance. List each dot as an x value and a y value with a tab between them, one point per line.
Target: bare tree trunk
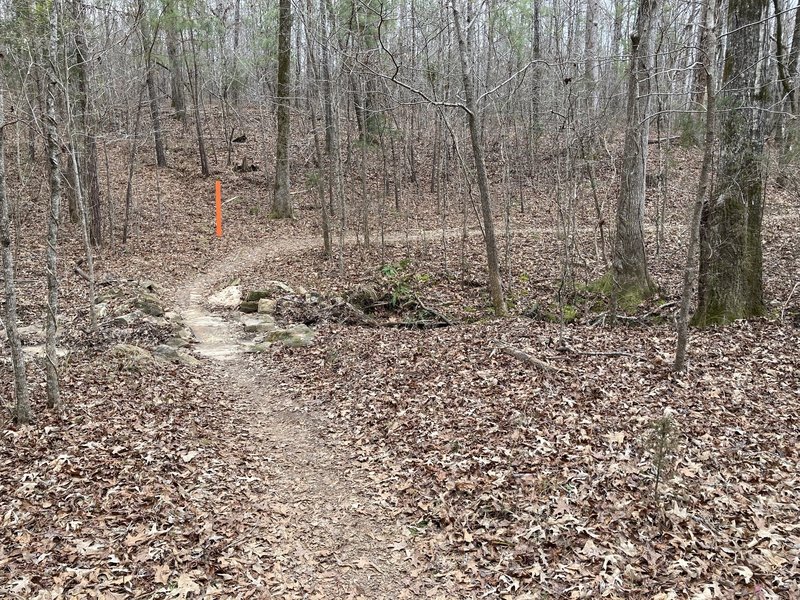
282	201
331	129
782	58
590	51
630	282
731	282
131	166
536	100
474	118
175	66
690	268
237	83
54	216
315	94
794	58
87	244
22	407
87	172
147	45
198	115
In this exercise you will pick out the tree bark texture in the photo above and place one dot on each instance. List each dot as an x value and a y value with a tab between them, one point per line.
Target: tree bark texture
631	282
54	215
474	118
708	58
176	83
87	146
282	201
22	408
731	282
152	95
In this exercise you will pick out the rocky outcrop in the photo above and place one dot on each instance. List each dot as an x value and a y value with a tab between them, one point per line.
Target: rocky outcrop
295	336
149	304
259	323
174	355
131	357
228	297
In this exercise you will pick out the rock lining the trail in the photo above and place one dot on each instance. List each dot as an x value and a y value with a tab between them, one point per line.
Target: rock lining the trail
228	297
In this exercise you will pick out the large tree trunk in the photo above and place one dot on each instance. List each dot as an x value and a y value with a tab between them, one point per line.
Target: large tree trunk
730	285
22	407
630	281
282	201
237	76
331	131
474	117
54	216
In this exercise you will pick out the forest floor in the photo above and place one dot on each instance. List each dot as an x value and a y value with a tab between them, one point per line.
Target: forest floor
389	460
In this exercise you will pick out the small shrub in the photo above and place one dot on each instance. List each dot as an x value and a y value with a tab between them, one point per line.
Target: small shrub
662	442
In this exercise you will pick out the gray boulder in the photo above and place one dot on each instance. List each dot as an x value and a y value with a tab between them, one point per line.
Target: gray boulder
228	297
149	304
174	355
258	323
131	357
296	336
267	306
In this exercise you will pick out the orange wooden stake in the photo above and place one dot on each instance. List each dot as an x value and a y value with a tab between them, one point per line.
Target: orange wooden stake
219	208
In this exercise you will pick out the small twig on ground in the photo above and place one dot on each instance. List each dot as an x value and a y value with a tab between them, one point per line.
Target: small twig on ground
601	317
789	299
567	351
80	272
658	309
530	360
106	280
436	314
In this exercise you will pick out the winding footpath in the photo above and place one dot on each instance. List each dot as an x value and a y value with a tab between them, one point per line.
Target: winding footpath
330	537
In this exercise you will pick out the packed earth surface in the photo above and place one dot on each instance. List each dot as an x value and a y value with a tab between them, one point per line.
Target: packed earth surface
252	419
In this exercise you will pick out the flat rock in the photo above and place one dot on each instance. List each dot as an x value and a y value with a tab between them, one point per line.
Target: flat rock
267	306
256	348
31	334
296	336
40	351
228	297
258	323
131	357
101	310
174	355
126	320
249	306
183	333
270	290
149	304
178	342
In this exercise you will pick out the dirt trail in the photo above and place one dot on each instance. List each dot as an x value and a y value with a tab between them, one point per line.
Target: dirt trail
323	526
329	535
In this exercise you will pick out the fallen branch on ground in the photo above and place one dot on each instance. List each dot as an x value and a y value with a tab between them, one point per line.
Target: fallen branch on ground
530	360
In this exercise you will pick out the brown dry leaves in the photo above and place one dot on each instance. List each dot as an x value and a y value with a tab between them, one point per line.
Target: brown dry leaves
517	481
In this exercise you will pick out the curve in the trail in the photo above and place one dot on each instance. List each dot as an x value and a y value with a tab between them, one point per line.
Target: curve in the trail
339	540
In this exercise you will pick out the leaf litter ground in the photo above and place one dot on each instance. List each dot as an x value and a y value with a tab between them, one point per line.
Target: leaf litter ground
387	461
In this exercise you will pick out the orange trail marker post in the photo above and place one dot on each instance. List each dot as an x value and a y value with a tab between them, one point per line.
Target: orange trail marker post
219	208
